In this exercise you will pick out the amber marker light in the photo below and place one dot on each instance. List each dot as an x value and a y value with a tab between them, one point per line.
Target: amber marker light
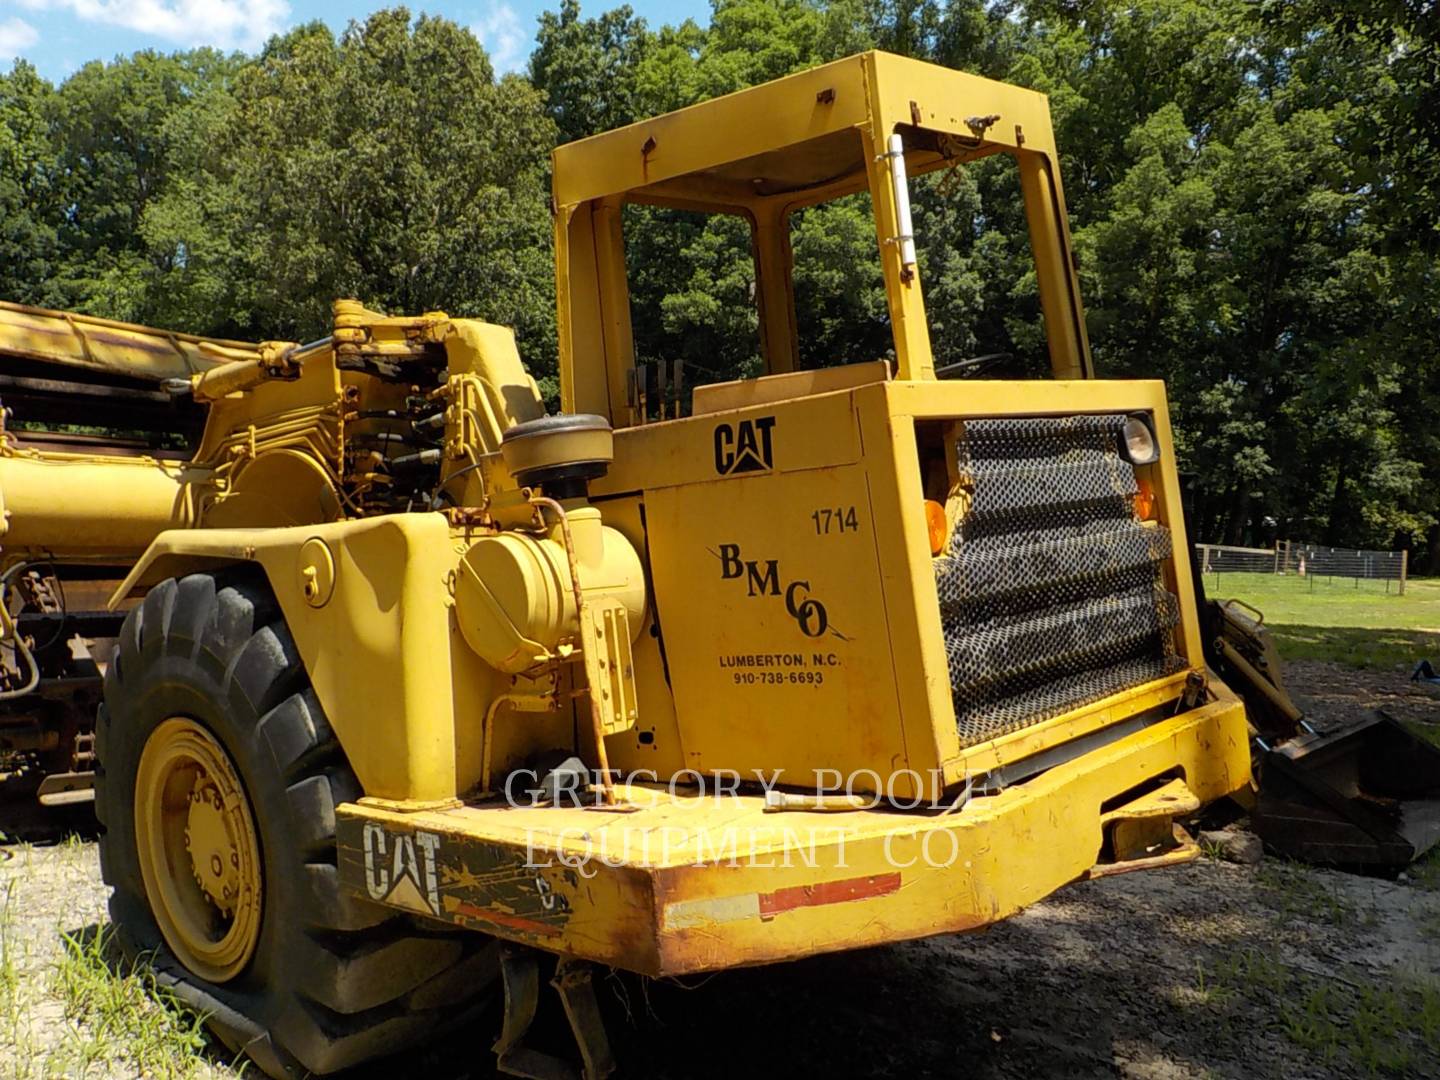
938	527
1144	500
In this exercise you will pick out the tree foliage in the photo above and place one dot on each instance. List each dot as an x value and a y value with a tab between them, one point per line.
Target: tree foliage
1252	188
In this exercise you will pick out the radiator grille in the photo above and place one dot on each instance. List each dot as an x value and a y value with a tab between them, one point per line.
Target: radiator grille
1051	593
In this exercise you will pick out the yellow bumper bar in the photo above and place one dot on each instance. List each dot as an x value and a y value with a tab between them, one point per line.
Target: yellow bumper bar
677	882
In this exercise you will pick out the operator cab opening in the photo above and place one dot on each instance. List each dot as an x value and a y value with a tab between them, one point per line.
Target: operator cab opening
770	229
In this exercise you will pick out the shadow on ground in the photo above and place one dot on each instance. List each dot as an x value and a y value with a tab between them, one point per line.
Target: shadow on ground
1380	650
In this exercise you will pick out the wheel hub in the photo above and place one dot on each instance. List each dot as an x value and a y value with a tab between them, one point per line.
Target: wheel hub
199	856
214	852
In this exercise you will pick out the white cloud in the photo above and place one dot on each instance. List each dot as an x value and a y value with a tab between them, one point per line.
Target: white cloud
226	24
16	35
503	35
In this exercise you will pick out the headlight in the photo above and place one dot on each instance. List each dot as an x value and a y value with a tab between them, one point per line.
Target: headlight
1137	442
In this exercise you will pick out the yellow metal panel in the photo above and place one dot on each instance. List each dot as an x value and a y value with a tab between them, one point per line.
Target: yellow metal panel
907	576
610	664
511	394
914	92
710	134
700	449
654	744
382	654
744	393
231	418
775	627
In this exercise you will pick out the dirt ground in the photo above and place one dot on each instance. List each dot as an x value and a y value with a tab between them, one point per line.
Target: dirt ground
1210	970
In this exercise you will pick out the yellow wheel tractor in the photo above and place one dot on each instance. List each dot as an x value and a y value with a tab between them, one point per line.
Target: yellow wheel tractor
408	686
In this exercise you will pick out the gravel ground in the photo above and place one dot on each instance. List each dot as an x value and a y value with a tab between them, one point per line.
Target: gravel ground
1210	970
1195	972
65	1010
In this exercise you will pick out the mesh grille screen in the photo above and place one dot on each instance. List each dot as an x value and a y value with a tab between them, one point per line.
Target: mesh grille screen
1050	589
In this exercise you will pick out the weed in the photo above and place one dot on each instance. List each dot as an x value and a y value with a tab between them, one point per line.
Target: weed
1252	973
1427	1012
1210	849
1425	873
1309	1020
1428	921
17	1042
1208	989
1378	1028
9	970
1300	893
121	1015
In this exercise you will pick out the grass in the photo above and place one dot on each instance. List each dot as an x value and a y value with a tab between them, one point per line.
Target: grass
1364	627
9	965
1300	895
70	1005
1426	874
120	1016
1211	850
1381	1029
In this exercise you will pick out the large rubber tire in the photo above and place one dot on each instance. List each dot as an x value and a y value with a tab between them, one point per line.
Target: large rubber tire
334	980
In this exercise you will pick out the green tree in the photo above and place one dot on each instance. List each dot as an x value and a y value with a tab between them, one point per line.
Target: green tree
120	133
1252	190
30	205
587	68
388	164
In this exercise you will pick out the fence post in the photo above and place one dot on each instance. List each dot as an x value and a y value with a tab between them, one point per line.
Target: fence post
1404	567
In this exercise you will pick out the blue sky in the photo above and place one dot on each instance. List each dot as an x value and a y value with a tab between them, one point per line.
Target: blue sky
58	36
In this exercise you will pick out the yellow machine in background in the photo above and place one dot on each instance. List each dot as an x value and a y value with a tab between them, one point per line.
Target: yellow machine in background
672	682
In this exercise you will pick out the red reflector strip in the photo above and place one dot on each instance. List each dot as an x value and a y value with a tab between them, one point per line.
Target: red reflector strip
827	892
501	918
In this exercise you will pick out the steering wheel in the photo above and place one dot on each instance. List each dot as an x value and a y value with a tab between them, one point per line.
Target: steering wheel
973	366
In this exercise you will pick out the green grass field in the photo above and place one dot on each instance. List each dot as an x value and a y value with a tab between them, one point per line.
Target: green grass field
1323	619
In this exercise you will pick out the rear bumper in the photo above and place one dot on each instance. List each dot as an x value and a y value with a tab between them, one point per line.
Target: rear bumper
678	883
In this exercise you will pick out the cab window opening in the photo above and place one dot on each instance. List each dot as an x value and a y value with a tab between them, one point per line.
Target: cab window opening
693	280
700	326
977	271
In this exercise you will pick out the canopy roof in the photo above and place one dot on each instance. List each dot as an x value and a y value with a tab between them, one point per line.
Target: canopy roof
795	139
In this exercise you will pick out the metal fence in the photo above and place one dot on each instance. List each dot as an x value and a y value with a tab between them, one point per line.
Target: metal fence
1309	564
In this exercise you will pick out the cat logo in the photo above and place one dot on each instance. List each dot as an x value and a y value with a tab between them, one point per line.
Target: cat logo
400	869
745	447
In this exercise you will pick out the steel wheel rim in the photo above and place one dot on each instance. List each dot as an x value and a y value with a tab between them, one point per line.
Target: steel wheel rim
199	856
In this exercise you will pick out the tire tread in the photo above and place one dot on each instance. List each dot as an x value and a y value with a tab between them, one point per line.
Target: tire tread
364	980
